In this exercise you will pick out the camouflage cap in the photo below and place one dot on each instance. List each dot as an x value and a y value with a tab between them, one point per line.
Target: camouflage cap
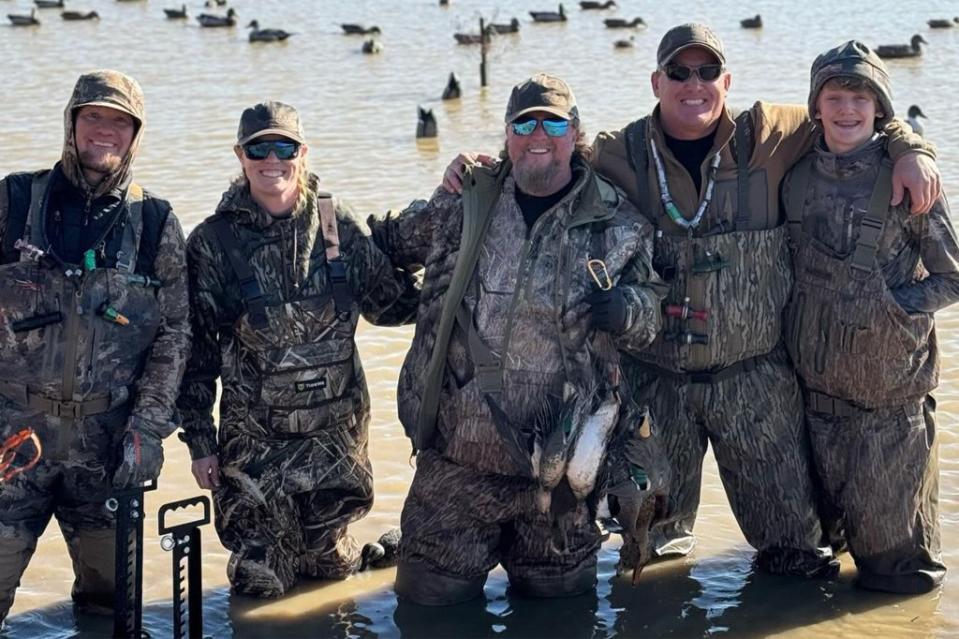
109	89
270	118
542	92
689	35
852	59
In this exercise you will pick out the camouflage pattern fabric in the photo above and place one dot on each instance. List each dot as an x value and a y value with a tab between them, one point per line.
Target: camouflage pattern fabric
295	410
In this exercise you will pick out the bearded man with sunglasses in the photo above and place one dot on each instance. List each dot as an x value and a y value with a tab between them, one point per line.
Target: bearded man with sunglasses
509	318
279	276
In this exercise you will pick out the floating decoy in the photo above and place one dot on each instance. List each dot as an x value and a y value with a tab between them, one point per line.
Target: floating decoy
910	50
209	4
80	15
912	118
359	29
511	27
444	3
210	20
624	44
425	124
175	14
452	90
621	23
48	4
752	23
266	35
24	21
549	16
468	38
942	24
592	4
372	46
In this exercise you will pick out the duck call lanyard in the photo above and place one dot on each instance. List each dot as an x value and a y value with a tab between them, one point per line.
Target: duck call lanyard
671	209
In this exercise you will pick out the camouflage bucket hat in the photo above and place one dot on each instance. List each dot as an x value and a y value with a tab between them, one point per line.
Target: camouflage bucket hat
852	59
542	92
111	89
686	36
270	118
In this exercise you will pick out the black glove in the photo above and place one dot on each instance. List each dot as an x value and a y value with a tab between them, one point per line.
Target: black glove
607	310
141	456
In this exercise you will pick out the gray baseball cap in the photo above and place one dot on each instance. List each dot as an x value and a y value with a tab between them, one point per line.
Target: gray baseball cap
542	92
689	35
270	118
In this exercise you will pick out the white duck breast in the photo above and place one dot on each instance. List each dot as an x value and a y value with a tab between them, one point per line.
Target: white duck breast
589	450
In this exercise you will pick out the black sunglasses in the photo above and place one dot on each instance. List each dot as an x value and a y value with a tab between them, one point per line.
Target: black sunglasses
681	73
282	149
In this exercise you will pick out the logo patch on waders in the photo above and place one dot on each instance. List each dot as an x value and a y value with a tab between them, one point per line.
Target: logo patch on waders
310	385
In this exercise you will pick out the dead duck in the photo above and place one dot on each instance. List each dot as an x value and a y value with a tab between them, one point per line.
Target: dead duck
371	46
425	123
175	14
622	23
453	90
755	22
359	29
49	4
266	35
549	16
382	553
588	5
210	20
942	24
625	44
511	27
912	118
24	21
80	15
910	50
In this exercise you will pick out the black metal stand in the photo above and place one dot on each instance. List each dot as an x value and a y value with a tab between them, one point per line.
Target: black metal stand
184	541
128	596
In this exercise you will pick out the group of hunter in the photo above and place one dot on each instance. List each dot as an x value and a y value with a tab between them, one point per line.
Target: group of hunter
587	319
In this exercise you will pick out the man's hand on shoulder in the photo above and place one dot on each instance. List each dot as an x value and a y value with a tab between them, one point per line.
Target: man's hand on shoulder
453	175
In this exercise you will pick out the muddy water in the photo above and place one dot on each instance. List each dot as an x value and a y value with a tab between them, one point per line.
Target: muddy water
360	115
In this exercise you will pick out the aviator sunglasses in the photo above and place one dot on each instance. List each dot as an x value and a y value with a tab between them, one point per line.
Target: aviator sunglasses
282	149
554	127
681	73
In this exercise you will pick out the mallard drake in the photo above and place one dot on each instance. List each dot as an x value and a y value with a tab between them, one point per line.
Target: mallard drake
80	15
593	5
48	4
942	24
425	123
266	35
622	23
755	22
175	14
910	50
452	90
359	29
512	27
372	46
24	21
549	16
912	118
211	20
624	44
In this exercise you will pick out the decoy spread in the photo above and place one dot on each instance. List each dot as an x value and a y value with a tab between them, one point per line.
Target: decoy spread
592	4
24	21
755	22
80	15
175	14
912	118
372	46
211	20
511	27
266	35
49	4
942	23
910	50
359	29
622	23
549	16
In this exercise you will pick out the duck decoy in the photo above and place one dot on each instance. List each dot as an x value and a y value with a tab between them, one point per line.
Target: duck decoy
266	35
359	29
910	50
511	27
468	38
452	90
625	44
24	21
80	15
211	20
372	46
912	118
425	123
942	24
49	4
444	3
209	4
549	16
588	5
621	23
755	22
175	14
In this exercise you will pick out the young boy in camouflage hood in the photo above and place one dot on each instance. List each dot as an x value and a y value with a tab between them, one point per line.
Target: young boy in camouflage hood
860	326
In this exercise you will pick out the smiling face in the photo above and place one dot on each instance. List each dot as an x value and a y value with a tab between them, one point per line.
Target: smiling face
274	183
541	164
848	116
690	110
103	137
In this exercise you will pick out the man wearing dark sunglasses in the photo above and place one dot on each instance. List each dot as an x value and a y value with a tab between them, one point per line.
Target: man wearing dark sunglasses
537	263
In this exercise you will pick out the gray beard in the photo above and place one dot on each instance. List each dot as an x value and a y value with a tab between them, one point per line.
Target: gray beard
535	181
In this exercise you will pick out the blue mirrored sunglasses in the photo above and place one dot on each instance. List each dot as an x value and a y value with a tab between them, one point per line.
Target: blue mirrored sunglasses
554	127
282	149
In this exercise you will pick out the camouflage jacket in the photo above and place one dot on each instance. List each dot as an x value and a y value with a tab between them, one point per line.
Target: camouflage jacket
524	302
288	260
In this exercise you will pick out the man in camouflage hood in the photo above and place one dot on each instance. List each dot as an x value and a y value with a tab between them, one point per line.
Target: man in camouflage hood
93	334
860	326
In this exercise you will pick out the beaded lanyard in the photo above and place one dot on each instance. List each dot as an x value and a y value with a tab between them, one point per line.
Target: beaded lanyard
671	209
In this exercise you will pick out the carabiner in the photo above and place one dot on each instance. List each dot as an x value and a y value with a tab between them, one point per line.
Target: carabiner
597	270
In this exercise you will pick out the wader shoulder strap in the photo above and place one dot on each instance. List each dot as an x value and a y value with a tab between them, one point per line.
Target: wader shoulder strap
250	290
487	366
864	255
35	218
744	149
478	204
336	267
132	230
798	184
638	157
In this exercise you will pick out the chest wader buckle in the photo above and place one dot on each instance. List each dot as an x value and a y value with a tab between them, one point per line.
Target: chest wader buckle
710	262
340	287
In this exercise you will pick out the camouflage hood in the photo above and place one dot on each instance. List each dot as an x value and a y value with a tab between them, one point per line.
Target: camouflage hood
110	89
852	59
